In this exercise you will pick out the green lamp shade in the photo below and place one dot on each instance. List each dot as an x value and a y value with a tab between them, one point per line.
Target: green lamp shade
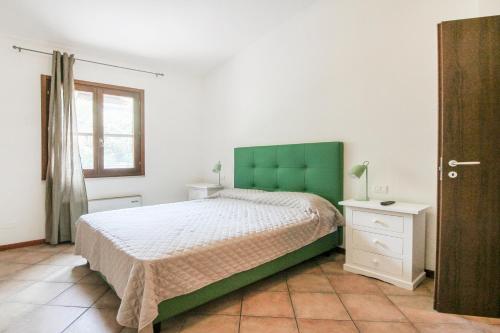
358	170
217	167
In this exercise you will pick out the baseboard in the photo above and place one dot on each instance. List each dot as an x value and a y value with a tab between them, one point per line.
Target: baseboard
22	244
429	273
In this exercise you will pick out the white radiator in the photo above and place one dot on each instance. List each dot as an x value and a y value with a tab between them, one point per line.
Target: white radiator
100	205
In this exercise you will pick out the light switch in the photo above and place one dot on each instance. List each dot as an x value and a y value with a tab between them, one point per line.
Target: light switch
383	189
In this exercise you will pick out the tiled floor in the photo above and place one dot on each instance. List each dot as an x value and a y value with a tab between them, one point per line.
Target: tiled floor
47	289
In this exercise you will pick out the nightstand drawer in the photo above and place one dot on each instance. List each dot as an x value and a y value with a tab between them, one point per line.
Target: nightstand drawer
202	190
378	221
377	243
197	193
378	262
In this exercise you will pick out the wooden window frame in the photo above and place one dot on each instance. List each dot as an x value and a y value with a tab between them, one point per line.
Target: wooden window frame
98	89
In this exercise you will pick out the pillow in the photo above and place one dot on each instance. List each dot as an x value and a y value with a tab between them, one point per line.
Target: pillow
308	202
237	193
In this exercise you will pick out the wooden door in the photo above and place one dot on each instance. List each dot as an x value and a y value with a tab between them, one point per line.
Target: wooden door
468	251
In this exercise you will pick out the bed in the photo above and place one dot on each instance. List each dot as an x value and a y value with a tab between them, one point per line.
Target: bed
166	259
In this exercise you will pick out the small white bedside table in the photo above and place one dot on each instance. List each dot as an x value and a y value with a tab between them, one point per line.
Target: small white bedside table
386	242
202	190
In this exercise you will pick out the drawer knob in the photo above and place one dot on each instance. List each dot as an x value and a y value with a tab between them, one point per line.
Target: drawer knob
377	221
375	241
375	261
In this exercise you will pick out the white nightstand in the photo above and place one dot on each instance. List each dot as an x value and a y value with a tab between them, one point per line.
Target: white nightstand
202	190
386	242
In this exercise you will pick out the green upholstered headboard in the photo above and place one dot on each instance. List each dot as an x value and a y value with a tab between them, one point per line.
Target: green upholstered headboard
309	167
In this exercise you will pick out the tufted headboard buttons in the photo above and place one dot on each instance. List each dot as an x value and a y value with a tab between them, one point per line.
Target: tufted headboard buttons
309	167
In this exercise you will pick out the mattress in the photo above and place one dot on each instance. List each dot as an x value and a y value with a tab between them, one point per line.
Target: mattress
154	253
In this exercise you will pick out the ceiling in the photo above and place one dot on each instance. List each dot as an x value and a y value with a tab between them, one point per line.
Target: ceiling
195	33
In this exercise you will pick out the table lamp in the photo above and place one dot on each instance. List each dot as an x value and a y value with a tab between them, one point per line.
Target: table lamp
357	171
216	169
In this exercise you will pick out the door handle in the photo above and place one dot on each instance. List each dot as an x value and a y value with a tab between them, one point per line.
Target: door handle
454	163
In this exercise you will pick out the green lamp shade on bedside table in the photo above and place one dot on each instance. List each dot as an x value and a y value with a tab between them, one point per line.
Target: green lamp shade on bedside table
217	168
357	171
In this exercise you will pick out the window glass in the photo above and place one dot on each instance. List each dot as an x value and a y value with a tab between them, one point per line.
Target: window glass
118	126
84	106
118	152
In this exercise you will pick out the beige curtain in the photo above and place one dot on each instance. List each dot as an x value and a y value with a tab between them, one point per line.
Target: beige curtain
66	196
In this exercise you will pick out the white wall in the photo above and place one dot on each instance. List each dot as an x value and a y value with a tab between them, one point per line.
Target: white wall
172	145
488	7
358	71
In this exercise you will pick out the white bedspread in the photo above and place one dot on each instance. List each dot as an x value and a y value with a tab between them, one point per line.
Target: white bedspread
153	253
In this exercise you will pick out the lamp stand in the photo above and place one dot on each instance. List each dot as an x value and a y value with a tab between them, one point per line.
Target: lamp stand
366	185
363	196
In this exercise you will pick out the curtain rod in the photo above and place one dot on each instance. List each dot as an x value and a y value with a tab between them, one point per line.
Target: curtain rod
19	49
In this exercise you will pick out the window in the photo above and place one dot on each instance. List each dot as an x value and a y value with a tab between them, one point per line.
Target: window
110	122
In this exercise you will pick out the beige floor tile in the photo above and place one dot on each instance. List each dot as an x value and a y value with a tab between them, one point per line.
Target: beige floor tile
68	274
334	256
46	319
35	273
307	267
446	328
309	283
384	327
96	321
134	330
267	304
65	259
39	292
267	325
43	248
484	320
225	305
173	325
30	257
10	287
354	284
318	306
333	267
390	289
419	309
92	278
108	300
485	328
9	255
211	324
371	308
274	283
68	248
326	326
11	313
429	284
7	269
80	295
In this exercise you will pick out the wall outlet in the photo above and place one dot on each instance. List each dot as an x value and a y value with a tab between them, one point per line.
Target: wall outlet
382	189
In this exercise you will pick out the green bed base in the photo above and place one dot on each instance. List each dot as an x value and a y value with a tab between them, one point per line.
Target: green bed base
177	305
